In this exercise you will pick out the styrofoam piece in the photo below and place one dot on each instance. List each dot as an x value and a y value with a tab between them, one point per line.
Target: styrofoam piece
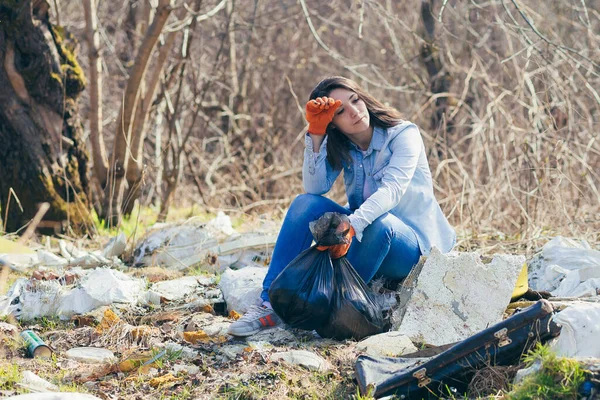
34	383
456	295
580	331
53	396
92	355
241	288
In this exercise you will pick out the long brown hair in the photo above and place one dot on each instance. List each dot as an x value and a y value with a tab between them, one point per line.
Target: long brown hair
338	144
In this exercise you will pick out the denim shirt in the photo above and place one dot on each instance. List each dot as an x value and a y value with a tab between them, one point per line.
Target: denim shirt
396	164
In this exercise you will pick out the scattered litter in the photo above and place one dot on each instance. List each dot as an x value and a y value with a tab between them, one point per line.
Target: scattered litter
195	337
567	268
184	351
388	344
36	348
306	359
188	369
115	247
580	331
501	344
213	246
164	380
53	396
35	384
178	289
92	355
232	351
458	289
241	288
525	372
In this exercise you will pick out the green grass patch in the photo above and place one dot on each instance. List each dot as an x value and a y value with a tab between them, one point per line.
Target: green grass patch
9	376
559	378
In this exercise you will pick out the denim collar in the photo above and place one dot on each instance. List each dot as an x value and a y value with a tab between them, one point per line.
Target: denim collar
376	141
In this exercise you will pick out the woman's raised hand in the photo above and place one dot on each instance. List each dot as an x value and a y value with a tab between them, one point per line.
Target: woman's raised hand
319	113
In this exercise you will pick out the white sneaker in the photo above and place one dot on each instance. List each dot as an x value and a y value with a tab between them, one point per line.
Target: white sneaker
256	319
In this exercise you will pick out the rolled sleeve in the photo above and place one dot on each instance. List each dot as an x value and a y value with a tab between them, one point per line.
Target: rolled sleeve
317	175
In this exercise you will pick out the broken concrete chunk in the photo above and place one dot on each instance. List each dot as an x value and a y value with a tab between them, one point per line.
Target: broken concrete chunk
241	289
306	359
457	295
388	344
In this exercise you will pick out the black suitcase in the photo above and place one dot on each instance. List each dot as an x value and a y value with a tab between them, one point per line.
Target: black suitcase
452	370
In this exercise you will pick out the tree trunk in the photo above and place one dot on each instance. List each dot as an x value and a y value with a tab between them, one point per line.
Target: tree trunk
42	156
95	89
114	190
140	127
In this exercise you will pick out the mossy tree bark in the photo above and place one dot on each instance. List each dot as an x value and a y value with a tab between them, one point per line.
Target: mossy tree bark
42	153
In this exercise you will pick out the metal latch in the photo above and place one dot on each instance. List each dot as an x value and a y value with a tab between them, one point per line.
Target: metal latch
502	335
424	380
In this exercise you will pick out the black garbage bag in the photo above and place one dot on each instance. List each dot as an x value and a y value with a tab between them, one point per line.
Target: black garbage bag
308	294
301	294
354	312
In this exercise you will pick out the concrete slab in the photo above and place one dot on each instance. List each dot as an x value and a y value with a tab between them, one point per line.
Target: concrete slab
455	296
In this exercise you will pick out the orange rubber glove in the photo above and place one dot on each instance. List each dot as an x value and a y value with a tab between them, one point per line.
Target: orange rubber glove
319	113
340	250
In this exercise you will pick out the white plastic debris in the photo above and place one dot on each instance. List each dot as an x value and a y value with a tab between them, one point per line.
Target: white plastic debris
307	359
241	289
168	246
213	246
567	268
91	355
115	247
525	372
178	289
220	226
53	396
48	259
31	299
580	331
108	286
456	295
34	383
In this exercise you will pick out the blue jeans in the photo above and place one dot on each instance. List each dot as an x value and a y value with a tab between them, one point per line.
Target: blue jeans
389	248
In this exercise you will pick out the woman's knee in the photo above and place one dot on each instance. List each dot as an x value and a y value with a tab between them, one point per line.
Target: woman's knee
382	228
306	205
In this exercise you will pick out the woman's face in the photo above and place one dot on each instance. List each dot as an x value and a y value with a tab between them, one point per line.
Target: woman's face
352	117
